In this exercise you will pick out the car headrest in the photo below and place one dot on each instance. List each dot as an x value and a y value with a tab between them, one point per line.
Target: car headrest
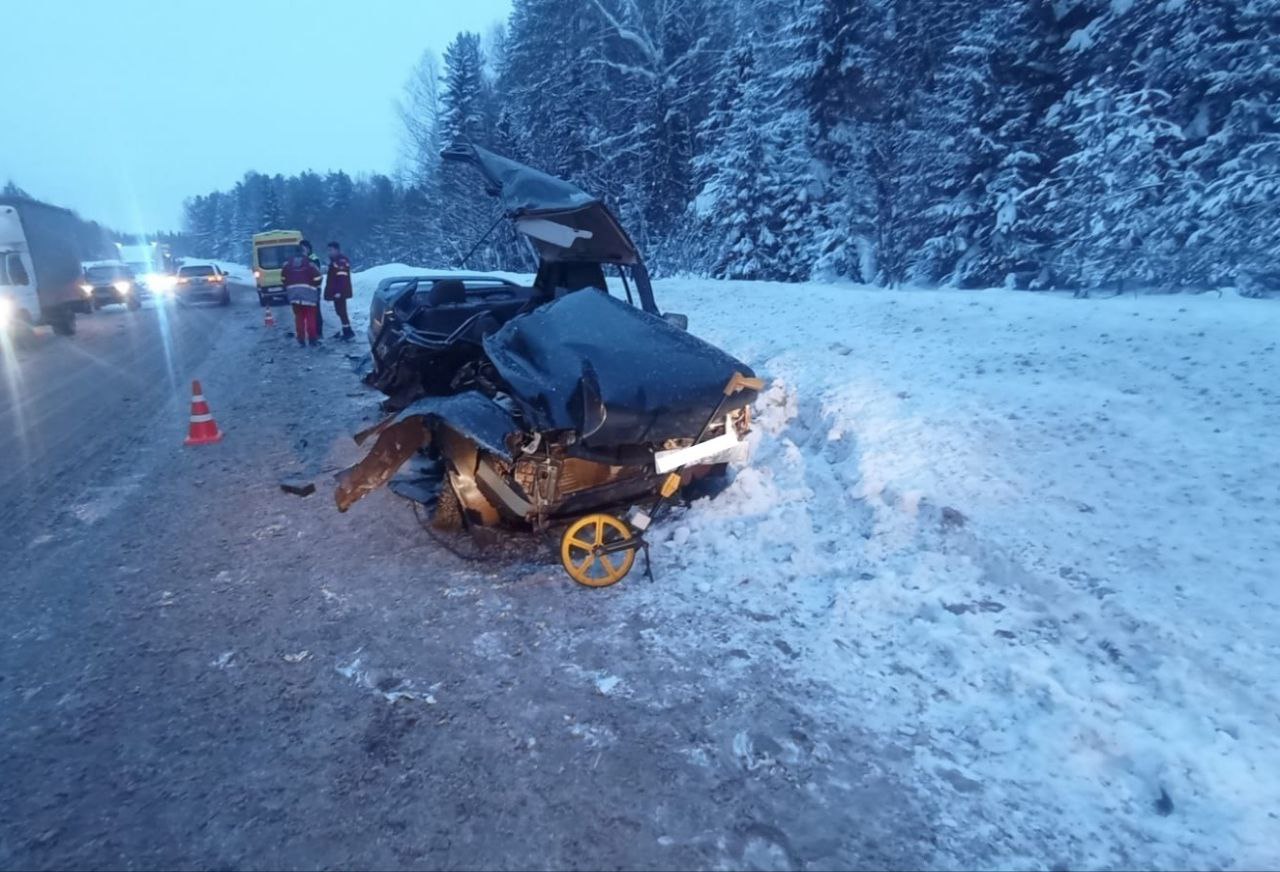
447	291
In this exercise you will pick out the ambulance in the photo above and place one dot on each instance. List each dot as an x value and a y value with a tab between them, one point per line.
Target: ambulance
270	251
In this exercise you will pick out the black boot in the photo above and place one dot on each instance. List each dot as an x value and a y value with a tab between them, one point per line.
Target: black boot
347	333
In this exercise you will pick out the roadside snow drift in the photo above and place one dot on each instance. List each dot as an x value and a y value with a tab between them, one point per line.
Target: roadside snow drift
1028	544
1033	538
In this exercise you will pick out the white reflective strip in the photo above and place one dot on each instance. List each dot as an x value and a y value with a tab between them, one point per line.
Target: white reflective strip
197	398
667	461
201	419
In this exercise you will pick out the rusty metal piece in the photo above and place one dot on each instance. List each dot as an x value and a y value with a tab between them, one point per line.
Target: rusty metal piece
375	429
396	444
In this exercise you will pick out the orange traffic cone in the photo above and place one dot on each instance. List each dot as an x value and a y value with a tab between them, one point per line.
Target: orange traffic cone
268	320
203	428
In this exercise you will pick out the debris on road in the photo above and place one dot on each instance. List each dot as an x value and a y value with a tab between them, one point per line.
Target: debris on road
297	487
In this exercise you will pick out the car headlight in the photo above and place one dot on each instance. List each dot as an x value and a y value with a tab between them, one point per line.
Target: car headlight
7	308
88	289
161	282
122	287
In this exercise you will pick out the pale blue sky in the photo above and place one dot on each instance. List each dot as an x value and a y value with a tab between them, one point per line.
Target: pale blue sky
121	108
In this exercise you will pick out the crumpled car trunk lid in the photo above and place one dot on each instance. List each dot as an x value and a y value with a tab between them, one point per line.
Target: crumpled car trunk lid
614	374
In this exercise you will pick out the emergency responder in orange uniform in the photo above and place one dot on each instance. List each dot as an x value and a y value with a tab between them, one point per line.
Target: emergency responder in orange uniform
337	288
315	261
301	278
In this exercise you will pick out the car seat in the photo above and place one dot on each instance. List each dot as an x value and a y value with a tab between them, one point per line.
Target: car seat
447	292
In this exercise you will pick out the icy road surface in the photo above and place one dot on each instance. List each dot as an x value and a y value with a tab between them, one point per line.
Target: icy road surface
996	589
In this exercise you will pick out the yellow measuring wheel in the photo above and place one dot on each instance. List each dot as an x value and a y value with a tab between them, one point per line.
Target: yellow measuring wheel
598	550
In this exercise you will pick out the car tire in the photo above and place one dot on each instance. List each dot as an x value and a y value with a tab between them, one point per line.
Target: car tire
63	321
225	299
448	515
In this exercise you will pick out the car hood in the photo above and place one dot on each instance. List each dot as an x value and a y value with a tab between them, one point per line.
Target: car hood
615	374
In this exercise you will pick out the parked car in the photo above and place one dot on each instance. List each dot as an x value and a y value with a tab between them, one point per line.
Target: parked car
202	282
108	282
546	401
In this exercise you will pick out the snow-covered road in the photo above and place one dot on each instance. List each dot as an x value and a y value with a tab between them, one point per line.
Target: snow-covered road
995	588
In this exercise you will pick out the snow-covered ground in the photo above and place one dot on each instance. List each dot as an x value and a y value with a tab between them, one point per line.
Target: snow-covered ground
1026	543
1035	538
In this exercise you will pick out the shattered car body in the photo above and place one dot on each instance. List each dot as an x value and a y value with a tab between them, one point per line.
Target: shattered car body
414	324
559	398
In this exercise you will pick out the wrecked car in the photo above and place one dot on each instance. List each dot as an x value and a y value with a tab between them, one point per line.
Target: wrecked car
548	401
412	326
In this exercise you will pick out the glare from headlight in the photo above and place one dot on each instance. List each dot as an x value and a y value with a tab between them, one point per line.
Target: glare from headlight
7	308
88	289
160	282
122	287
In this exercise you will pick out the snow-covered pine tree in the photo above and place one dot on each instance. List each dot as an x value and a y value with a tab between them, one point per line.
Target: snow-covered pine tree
1109	194
745	207
464	214
412	230
224	209
382	208
541	83
657	57
270	212
1231	220
980	133
831	61
243	218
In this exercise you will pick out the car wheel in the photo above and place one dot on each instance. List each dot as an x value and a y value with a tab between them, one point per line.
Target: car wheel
63	321
225	299
448	512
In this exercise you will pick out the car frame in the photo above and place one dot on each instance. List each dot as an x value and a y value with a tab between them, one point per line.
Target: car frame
412	322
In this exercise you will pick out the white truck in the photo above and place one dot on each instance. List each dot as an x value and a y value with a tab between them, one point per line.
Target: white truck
39	266
151	262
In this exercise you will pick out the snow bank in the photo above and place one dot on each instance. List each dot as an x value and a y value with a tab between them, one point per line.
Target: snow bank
1027	543
1032	540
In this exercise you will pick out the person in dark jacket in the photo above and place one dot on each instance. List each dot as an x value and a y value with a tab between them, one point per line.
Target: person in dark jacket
301	283
337	288
315	261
